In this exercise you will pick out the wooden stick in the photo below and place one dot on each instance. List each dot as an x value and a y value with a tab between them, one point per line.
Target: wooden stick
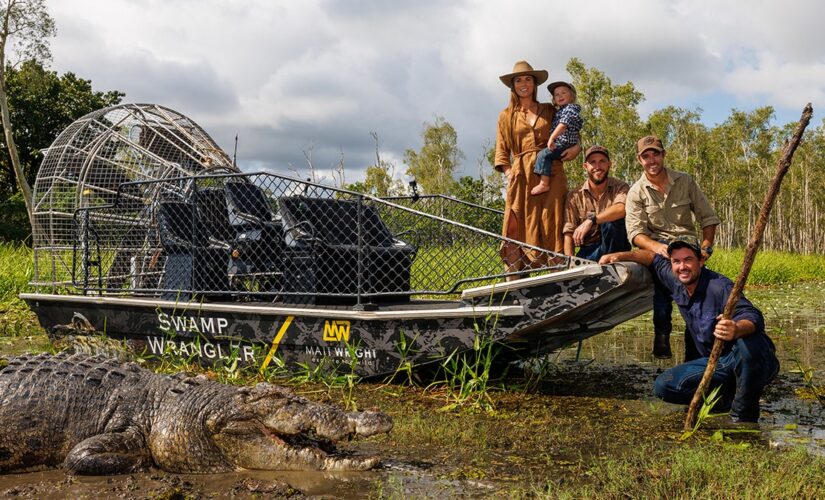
750	255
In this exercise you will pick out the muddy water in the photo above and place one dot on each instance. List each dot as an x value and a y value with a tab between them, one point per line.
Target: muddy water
597	405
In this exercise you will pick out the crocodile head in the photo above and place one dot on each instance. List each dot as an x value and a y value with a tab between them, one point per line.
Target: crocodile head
271	428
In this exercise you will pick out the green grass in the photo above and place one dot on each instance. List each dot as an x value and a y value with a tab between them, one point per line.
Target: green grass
704	471
770	268
544	446
457	262
16	271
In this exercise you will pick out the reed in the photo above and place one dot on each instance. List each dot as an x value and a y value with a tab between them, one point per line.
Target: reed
771	267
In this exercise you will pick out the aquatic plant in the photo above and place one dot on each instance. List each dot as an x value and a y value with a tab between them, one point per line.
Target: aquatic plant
350	379
332	375
812	389
467	374
704	414
405	347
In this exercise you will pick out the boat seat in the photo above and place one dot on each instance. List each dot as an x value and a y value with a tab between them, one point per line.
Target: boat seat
324	233
213	215
258	241
193	262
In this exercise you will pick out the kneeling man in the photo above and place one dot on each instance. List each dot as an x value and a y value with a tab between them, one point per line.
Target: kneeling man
748	362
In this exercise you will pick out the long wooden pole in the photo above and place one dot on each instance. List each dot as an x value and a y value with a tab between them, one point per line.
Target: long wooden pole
747	263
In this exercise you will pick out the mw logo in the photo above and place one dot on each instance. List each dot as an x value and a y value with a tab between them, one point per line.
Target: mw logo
336	331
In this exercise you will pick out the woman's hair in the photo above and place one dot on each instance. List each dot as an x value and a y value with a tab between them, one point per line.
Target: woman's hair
514	107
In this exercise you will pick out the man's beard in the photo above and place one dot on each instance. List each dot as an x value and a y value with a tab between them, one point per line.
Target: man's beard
598	181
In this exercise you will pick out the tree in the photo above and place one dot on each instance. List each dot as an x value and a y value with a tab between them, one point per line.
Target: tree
610	116
743	147
380	178
433	166
684	136
41	105
25	27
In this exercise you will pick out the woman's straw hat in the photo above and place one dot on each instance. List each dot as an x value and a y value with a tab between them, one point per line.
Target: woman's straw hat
524	68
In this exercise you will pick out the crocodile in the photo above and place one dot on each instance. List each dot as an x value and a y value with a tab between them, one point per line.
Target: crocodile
97	415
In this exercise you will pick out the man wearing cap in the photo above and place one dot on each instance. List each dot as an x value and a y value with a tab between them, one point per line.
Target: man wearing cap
662	205
748	361
594	216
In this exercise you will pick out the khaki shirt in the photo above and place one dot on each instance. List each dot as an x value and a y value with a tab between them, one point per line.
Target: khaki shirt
664	216
581	203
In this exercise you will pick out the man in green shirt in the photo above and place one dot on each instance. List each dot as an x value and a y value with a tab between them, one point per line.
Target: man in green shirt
663	205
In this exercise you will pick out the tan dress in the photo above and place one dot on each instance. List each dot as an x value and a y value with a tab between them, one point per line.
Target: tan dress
538	220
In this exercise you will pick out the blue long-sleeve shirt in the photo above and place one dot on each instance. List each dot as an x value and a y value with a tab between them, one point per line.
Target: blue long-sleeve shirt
708	301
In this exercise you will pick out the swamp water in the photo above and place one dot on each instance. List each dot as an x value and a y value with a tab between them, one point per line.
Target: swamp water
579	417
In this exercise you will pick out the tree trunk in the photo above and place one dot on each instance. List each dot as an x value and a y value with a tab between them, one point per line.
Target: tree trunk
19	174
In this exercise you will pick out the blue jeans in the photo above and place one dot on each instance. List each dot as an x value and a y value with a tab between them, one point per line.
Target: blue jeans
613	239
545	158
743	374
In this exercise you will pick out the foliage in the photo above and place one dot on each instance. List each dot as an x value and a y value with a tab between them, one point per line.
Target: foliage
468	374
43	103
379	181
610	117
14	222
770	267
703	471
25	27
333	375
405	347
434	164
15	271
481	191
380	178
708	402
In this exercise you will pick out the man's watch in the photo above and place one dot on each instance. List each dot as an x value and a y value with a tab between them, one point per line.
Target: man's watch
708	250
592	218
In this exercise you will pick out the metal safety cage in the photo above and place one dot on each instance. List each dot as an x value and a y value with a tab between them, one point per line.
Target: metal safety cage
94	162
269	237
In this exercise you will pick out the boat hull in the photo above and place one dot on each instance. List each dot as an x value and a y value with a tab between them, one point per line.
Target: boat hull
532	316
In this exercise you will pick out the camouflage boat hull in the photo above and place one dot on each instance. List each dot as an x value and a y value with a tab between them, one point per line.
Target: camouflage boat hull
532	316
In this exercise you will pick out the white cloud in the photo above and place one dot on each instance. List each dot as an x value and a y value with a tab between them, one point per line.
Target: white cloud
788	84
288	75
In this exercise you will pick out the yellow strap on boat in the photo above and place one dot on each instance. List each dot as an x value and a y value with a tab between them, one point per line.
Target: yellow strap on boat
275	342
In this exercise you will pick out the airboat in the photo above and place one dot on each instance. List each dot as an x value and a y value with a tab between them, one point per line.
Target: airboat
145	230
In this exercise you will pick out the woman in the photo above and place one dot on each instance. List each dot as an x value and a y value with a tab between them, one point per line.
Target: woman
523	130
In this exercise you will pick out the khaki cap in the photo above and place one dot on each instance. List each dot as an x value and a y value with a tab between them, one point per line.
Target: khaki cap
596	149
649	142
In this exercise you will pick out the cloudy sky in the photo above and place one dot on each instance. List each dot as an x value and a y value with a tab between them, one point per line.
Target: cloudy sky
320	75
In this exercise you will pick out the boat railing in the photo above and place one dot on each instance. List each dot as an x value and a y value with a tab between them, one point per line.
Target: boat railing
264	236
